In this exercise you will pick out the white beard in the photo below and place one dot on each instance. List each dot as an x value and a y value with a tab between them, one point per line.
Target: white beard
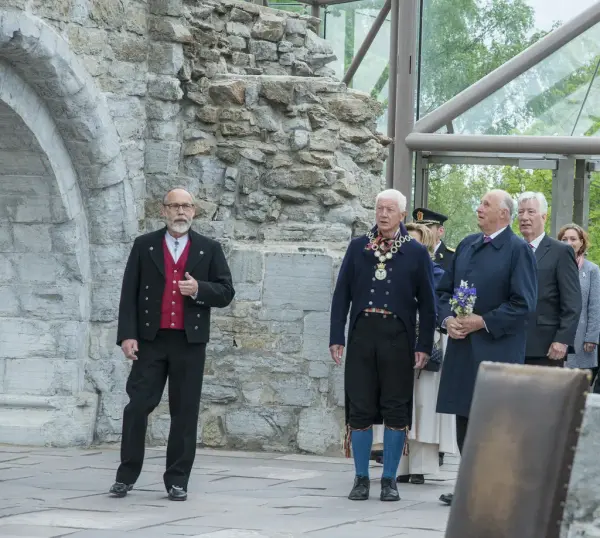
181	227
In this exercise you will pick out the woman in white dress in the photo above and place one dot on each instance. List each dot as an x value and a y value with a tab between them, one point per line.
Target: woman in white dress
431	432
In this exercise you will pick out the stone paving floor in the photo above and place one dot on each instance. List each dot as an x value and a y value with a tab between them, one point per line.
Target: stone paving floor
50	493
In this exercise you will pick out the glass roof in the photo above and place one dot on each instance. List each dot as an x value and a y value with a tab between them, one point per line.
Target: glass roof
560	96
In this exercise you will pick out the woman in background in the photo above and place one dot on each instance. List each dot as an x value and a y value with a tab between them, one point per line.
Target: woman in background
588	330
431	433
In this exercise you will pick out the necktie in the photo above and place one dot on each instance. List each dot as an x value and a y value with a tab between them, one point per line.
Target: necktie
487	239
175	250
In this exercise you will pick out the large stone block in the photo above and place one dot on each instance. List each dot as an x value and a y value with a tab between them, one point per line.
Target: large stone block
583	499
165	58
316	336
257	424
246	265
162	157
297	281
42	377
320	432
24	338
60	421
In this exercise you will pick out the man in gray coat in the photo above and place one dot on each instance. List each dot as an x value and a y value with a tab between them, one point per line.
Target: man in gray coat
552	327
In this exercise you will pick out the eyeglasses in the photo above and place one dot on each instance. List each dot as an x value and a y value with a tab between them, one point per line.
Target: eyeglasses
177	207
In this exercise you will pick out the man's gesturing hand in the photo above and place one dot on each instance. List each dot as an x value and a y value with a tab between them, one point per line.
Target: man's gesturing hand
130	348
189	286
421	360
337	352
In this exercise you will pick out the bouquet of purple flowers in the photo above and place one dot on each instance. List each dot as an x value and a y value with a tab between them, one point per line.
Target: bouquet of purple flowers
463	300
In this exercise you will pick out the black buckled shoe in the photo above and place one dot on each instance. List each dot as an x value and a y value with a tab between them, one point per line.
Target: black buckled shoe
118	489
360	490
446	498
417	479
389	490
177	494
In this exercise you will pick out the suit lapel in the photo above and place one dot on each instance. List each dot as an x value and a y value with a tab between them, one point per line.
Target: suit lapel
156	250
196	251
543	249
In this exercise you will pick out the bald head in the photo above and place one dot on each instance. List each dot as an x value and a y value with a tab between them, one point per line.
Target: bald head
495	211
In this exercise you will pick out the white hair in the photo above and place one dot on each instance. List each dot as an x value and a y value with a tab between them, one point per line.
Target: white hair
393	194
524	197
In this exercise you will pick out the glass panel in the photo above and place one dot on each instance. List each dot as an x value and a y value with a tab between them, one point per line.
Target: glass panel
290	5
346	27
464	40
548	99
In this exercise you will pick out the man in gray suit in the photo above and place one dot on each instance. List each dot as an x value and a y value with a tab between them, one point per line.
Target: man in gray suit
552	327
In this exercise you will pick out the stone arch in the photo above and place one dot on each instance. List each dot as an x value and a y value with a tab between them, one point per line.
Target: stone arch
55	105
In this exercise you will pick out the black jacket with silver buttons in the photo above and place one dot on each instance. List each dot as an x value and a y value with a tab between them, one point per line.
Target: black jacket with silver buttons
144	283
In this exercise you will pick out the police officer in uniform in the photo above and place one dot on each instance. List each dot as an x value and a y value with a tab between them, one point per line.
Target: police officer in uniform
435	221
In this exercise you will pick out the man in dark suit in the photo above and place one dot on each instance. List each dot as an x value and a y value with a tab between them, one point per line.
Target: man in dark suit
551	329
435	222
172	279
502	269
384	281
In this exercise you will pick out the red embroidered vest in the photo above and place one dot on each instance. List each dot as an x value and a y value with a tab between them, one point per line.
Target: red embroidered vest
171	316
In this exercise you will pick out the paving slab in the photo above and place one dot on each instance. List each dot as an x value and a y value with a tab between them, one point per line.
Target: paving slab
50	493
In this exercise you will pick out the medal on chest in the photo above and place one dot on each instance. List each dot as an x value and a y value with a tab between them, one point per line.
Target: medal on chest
380	253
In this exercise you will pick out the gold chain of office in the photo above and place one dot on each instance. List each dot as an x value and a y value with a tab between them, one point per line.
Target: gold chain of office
383	257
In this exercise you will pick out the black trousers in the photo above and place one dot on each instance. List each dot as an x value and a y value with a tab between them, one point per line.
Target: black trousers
544	361
170	357
379	374
462	423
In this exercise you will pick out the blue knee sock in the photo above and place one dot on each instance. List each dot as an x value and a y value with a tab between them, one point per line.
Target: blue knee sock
362	441
393	444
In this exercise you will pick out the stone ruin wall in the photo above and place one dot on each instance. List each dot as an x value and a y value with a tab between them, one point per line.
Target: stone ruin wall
235	102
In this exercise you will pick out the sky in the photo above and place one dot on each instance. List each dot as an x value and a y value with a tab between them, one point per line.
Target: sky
548	11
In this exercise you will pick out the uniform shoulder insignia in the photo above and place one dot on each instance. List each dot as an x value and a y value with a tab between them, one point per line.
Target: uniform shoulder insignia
451	249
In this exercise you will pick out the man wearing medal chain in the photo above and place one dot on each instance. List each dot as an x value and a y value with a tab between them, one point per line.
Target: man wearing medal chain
384	281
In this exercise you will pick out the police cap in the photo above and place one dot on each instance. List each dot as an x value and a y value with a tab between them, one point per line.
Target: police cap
422	215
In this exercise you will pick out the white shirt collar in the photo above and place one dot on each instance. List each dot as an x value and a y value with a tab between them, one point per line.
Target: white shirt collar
437	247
496	234
181	244
536	242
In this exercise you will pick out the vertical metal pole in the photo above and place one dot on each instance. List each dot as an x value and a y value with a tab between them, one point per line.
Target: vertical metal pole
405	97
581	208
392	73
563	184
315	11
420	164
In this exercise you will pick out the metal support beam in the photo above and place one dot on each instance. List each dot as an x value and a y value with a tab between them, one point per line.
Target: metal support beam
421	180
564	145
405	97
368	41
581	209
509	71
392	74
315	11
563	184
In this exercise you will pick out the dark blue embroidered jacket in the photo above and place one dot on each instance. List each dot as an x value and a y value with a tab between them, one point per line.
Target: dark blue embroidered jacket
408	288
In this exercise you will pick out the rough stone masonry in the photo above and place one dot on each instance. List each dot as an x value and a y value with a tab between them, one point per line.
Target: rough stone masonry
106	104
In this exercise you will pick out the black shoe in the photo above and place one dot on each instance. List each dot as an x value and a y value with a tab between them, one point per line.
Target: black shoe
118	489
177	494
446	498
376	455
417	479
403	478
360	490
389	490
441	454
